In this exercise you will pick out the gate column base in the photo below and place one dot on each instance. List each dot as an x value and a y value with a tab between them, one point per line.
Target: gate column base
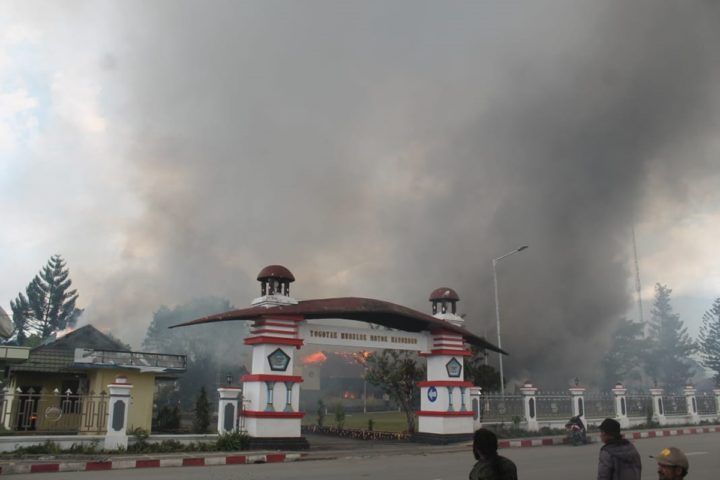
279	443
441	439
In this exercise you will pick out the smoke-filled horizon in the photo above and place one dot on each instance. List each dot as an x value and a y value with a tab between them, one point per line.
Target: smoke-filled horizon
384	149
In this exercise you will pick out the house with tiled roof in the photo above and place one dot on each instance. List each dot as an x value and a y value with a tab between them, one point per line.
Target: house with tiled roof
62	386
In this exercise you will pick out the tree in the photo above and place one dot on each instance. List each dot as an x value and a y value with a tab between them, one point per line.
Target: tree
622	361
710	340
339	416
479	373
212	350
397	373
48	304
201	421
667	361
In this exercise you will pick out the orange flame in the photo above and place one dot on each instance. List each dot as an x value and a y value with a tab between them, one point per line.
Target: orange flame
317	357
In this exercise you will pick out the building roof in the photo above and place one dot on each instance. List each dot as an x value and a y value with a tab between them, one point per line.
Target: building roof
276	271
351	308
444	293
58	355
97	350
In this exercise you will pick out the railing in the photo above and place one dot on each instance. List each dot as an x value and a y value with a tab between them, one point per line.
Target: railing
638	405
501	408
675	405
706	404
131	359
599	406
42	412
553	406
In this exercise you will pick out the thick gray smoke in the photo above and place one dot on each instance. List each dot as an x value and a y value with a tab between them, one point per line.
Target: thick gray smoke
384	149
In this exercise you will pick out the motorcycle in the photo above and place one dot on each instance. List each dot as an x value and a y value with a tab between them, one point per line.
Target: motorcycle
576	432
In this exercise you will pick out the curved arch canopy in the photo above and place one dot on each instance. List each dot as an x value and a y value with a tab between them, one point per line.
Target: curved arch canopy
366	310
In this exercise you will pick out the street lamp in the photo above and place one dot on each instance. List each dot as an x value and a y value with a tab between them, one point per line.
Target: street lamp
497	311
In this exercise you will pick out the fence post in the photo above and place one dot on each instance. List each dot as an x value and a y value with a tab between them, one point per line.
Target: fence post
620	392
227	409
7	406
578	402
657	404
691	403
476	405
118	407
528	392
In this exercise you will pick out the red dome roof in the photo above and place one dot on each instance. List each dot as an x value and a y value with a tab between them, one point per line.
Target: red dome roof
443	294
276	271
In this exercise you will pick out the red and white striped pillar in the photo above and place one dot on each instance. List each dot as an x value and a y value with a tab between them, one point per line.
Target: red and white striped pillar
271	392
445	406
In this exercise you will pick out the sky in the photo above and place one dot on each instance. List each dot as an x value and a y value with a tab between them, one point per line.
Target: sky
171	149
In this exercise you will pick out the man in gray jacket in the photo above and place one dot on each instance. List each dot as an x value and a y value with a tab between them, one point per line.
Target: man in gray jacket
619	460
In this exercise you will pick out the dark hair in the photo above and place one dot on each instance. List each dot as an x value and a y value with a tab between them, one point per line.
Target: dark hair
485	444
611	427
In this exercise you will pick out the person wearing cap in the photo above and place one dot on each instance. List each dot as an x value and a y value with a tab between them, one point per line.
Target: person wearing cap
672	464
619	459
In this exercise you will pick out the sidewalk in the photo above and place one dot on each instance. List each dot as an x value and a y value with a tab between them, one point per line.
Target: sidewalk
322	448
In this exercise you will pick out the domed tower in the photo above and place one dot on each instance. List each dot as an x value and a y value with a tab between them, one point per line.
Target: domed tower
275	283
444	305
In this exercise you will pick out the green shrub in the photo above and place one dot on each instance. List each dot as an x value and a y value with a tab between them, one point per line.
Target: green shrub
201	422
49	447
321	413
232	441
84	449
168	419
339	415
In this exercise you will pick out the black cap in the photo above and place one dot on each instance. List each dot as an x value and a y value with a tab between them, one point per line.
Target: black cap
610	426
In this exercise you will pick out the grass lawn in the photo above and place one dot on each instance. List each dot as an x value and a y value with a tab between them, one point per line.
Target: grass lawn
382	421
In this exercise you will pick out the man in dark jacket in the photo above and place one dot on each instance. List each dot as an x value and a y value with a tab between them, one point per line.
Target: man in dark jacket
619	460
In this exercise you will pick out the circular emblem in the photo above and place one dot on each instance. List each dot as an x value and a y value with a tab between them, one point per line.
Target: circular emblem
53	414
432	394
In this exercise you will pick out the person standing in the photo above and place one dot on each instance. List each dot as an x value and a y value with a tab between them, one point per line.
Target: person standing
490	465
619	459
672	464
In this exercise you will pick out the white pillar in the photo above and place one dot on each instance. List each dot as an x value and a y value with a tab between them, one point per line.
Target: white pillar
691	402
228	409
658	406
620	393
577	395
528	392
716	392
445	395
8	404
270	390
118	408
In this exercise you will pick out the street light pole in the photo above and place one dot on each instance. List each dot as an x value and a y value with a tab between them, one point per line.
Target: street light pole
497	312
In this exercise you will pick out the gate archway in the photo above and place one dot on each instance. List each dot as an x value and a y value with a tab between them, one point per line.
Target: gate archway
282	325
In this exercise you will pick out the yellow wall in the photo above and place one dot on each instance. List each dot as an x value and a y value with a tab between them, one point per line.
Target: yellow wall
141	403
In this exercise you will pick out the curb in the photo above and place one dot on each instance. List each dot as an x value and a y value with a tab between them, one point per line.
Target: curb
89	466
635	435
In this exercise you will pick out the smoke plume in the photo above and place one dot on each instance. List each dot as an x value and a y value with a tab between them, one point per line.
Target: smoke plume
384	149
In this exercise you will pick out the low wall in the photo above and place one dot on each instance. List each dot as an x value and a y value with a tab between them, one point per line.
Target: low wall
64	442
12	443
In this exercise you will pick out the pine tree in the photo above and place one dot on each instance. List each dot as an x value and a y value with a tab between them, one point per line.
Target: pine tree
201	422
622	360
48	304
479	373
668	361
710	340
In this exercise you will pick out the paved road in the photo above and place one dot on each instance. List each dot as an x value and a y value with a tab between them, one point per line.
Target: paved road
541	463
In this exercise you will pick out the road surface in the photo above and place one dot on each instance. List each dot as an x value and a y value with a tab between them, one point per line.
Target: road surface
539	463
